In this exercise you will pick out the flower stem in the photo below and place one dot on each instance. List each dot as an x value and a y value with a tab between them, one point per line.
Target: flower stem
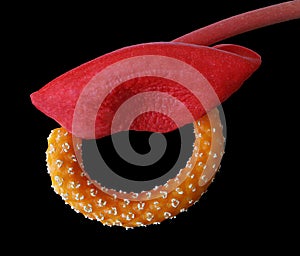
243	22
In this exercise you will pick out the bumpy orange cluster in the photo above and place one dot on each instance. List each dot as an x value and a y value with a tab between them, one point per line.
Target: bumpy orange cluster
111	207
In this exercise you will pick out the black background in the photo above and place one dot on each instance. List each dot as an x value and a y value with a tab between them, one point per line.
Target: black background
251	206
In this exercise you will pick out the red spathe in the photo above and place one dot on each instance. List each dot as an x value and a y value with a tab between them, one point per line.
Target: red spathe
85	99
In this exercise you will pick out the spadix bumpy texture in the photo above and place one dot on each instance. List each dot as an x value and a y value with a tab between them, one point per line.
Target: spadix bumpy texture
129	210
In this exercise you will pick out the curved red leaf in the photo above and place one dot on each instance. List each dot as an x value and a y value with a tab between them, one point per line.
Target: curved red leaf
85	99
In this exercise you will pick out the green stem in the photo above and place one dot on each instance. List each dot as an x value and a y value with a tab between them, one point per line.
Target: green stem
242	23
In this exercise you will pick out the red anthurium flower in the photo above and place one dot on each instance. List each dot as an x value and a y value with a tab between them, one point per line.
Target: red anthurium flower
154	87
